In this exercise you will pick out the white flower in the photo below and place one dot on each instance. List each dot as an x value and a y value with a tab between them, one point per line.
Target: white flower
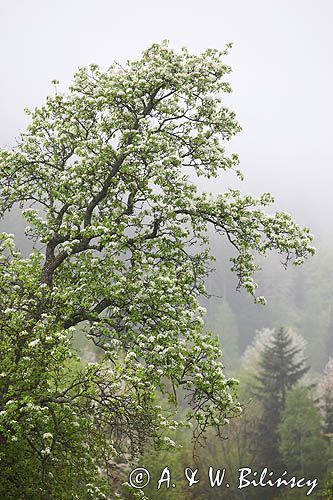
33	343
169	441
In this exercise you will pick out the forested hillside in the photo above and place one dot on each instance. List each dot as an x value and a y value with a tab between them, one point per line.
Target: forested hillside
300	298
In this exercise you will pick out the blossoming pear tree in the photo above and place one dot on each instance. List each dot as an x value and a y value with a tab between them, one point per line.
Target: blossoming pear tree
120	247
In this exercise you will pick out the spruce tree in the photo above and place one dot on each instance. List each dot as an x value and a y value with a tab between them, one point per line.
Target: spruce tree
281	366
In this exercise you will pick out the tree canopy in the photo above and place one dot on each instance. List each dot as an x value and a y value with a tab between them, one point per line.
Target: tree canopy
302	445
281	366
120	245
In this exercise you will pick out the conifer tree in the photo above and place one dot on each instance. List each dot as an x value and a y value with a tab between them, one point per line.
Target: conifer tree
281	366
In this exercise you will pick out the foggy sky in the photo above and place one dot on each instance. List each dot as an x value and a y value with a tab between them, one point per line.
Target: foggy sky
282	77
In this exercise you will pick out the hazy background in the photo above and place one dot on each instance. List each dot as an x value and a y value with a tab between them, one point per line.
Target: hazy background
282	81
